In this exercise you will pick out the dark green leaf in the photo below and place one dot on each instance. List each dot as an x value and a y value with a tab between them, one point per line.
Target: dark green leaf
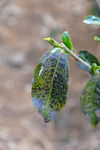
66	40
90	100
92	20
49	90
97	39
89	58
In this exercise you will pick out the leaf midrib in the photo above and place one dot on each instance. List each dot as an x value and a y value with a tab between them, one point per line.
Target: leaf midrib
52	81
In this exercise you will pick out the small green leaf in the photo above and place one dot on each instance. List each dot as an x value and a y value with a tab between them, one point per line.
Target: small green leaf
90	100
36	71
66	40
95	69
53	42
92	20
89	58
97	39
50	87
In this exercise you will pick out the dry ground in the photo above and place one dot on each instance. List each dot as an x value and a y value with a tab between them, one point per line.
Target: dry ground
23	25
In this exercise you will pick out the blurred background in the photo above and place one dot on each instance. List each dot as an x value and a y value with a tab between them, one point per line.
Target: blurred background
23	25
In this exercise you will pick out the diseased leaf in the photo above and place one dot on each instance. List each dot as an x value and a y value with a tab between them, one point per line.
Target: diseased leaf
42	60
46	55
66	40
89	58
49	90
90	100
97	39
92	20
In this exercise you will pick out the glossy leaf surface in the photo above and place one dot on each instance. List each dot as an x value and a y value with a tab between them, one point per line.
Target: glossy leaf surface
92	20
66	40
50	87
90	100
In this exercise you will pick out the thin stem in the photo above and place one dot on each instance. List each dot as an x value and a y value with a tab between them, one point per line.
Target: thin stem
75	56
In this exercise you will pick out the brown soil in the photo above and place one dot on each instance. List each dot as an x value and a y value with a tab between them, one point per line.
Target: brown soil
23	25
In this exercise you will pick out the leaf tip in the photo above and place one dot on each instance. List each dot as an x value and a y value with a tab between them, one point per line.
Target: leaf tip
47	39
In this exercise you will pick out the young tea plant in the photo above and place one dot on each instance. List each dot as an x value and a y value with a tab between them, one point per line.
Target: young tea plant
51	76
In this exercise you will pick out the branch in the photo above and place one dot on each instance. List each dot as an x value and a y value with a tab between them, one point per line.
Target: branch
75	56
56	44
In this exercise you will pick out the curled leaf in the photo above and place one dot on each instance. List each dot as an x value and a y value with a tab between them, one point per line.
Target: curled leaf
50	87
90	100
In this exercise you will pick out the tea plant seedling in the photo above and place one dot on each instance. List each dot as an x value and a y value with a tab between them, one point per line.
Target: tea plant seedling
51	76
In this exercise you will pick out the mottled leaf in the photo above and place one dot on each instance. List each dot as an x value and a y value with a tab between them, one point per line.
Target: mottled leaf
46	55
92	20
90	100
66	40
49	90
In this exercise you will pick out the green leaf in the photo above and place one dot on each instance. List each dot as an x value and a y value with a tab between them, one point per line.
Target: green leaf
97	39
90	100
66	41
92	20
36	71
95	69
89	58
49	91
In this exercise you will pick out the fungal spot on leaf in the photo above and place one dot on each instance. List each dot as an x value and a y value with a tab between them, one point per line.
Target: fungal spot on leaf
49	91
90	100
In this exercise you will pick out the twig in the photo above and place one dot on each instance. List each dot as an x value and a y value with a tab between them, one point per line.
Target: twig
75	56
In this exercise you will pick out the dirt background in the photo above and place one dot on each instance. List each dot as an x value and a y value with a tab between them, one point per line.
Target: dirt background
23	25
